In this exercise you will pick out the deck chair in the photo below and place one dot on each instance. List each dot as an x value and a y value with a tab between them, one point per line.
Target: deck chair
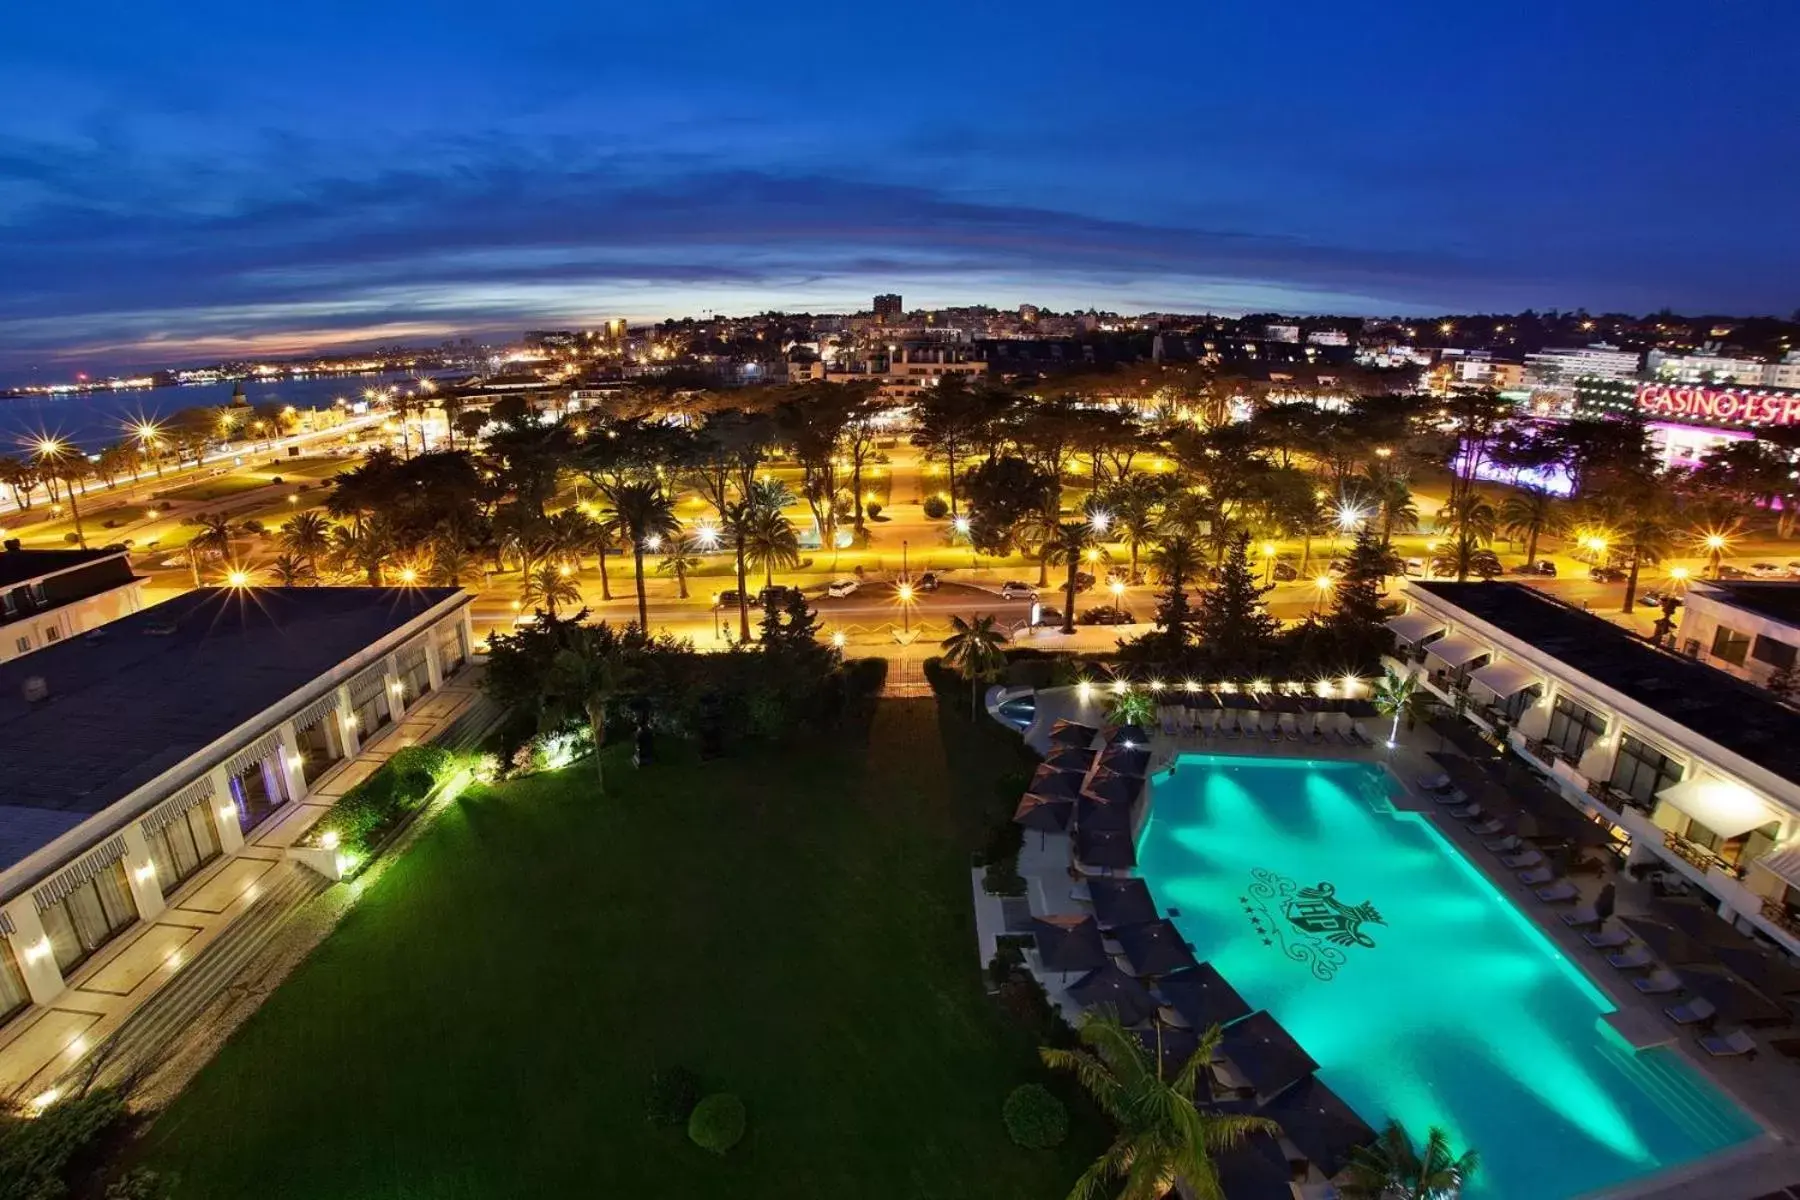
1659	982
1560	892
1729	1045
1693	1012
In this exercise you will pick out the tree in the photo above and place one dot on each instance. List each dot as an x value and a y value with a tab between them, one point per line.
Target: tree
1358	620
646	518
1647	538
549	586
771	543
592	667
678	559
1398	696
1528	513
362	549
1133	508
306	536
1065	547
1174	562
1004	494
974	648
450	563
212	540
292	570
1234	626
1470	520
1391	492
1165	1136
1391	1169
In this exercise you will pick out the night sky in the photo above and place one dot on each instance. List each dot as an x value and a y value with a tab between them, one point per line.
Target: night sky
192	180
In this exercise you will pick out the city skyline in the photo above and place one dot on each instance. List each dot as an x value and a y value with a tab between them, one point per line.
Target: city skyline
228	186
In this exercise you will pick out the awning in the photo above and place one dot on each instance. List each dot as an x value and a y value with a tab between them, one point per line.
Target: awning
1504	678
1410	627
1456	650
1726	808
1783	863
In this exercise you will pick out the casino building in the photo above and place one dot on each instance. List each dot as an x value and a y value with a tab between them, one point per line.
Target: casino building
1689	420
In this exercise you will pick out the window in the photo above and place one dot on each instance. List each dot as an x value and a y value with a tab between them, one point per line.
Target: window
1730	646
13	995
1776	653
1573	728
10	603
23	644
1642	770
183	846
89	917
36	591
450	649
415	681
51	633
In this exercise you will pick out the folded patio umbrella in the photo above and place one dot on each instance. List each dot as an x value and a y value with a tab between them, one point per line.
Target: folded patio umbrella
1265	1054
1069	943
1059	785
1464	737
1155	948
1121	902
1318	1122
1702	923
1669	943
1283	703
1046	814
1113	788
1100	816
1126	762
1110	987
1072	733
1255	1169
1128	736
1203	997
1176	1046
1069	758
1095	848
1204	701
1738	1003
1240	701
1360	710
1762	971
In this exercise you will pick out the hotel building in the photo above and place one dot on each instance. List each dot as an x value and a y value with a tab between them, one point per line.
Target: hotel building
49	595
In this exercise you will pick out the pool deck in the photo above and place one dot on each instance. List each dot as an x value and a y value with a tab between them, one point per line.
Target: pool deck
1768	1088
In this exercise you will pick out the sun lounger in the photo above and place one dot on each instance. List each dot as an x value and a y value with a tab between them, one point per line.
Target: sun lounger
1536	876
1506	845
1729	1045
1274	734
1560	892
1293	733
1488	827
1604	939
1658	982
1585	915
1358	735
1520	861
1472	812
1634	959
1693	1012
1451	798
1234	731
1435	783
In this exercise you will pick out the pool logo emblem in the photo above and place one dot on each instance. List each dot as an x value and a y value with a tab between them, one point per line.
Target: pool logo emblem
1318	910
1310	924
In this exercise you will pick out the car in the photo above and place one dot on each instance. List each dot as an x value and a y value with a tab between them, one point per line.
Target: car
1049	616
1541	567
779	594
1730	572
1766	570
1105	614
840	588
928	582
1793	569
1655	599
1286	572
1606	574
1337	568
727	599
1012	589
1083	581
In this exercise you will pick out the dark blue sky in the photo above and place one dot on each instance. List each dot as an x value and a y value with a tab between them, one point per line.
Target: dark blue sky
197	179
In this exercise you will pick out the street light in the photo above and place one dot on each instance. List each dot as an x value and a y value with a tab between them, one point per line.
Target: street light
1099	520
1117	587
653	542
55	451
238	578
904	595
1324	584
706	536
1268	553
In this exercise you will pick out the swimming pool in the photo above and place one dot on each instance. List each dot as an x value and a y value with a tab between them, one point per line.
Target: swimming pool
1419	988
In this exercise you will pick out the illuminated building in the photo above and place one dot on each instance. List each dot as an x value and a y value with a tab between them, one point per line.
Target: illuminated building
888	307
49	595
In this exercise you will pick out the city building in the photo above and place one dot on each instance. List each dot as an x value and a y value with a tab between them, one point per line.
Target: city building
1687	421
49	595
911	369
888	307
153	771
1706	367
1561	367
1748	628
1784	374
1687	768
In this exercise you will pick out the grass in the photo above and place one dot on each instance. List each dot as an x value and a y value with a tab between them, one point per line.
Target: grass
797	929
206	491
318	467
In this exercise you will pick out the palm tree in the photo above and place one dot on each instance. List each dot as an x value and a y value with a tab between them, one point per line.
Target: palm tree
1391	1169
1397	696
973	647
451	563
549	586
1391	493
770	542
1648	539
1071	540
1164	1137
1131	707
646	519
306	535
291	570
1527	514
1471	521
738	517
212	539
585	675
678	559
362	550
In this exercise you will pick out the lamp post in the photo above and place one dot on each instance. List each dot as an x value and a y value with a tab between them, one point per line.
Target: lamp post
1323	584
1268	553
1715	550
54	451
1117	587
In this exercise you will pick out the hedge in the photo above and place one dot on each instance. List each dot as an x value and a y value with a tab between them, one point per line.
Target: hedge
365	813
1034	1118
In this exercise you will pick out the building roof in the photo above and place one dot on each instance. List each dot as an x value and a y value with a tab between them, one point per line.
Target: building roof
1730	713
133	698
19	566
1776	601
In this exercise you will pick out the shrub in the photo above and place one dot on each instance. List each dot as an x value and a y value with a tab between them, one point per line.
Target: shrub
867	676
1007	837
141	1183
71	539
717	1123
935	508
1031	672
1034	1118
1002	878
673	1093
873	509
40	1155
369	810
424	766
277	479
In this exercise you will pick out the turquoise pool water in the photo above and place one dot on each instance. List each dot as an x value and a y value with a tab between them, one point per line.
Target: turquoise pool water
1419	988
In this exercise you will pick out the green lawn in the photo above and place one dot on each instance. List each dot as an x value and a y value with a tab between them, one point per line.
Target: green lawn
797	929
322	466
218	488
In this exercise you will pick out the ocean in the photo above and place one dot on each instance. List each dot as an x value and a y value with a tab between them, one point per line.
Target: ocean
96	419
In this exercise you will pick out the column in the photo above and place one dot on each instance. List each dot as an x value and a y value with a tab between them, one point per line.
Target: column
225	814
466	616
288	758
1597	763
344	717
1534	722
43	980
434	667
140	873
396	691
